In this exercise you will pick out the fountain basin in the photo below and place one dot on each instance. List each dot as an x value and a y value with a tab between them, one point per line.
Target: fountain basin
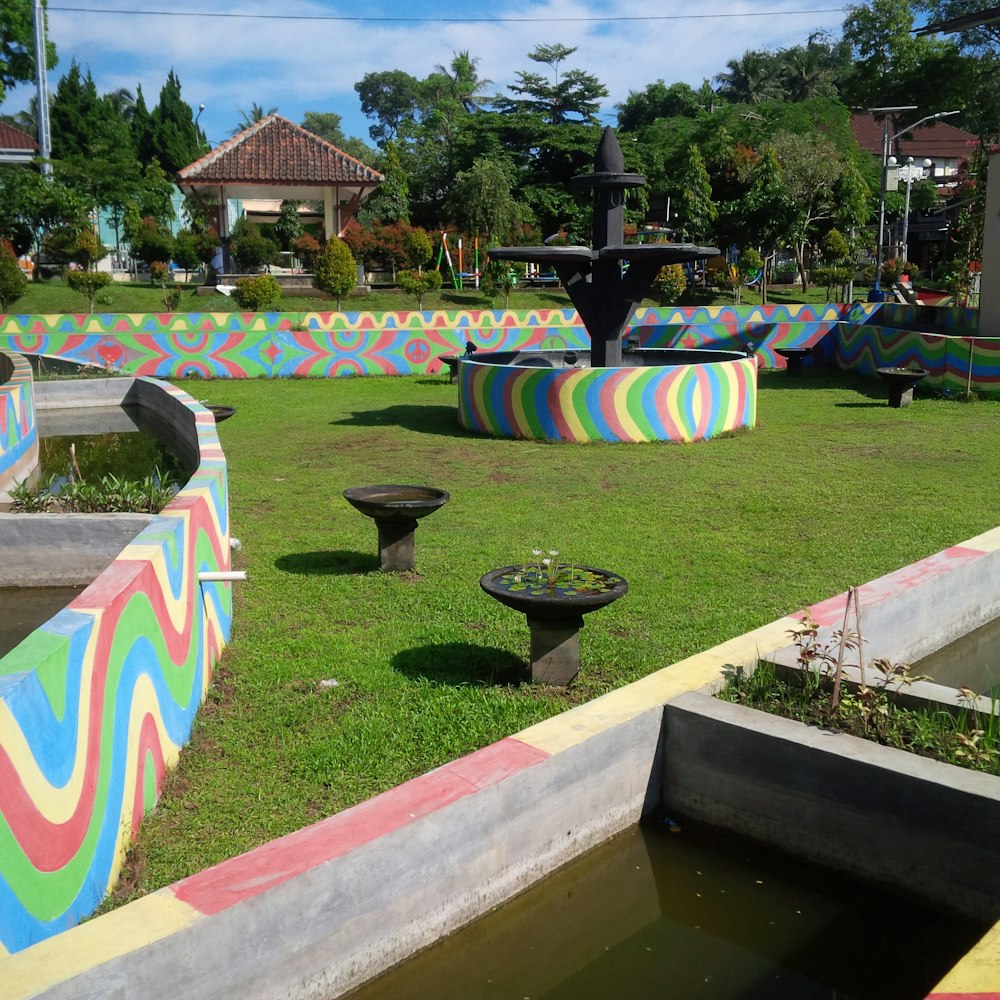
655	395
396	508
901	382
554	612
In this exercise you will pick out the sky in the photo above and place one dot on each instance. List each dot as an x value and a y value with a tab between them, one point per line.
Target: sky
307	56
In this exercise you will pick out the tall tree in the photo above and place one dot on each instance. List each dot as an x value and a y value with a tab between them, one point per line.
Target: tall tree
574	97
483	202
389	98
641	108
752	79
173	138
17	45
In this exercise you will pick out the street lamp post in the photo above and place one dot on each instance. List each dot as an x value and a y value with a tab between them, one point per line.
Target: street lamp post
926	165
887	139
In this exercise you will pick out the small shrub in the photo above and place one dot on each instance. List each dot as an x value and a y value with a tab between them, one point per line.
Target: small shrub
894	269
171	299
159	271
251	250
88	283
305	248
259	294
669	284
334	269
13	283
415	283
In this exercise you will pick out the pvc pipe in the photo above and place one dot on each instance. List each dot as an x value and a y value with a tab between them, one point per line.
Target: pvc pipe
222	576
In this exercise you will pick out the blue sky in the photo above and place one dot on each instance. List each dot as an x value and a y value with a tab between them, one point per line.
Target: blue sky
307	56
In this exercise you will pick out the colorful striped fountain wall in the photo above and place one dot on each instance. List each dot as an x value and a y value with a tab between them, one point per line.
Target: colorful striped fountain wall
18	432
96	703
678	402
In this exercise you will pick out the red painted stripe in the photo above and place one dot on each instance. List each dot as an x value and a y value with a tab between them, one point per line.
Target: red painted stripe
831	611
270	865
963	996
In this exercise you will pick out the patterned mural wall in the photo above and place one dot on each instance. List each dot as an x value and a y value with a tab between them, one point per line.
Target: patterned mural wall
678	403
97	702
247	345
18	432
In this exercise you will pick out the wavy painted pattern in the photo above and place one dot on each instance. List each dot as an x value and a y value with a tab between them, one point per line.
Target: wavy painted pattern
952	363
18	431
320	345
668	403
96	704
323	345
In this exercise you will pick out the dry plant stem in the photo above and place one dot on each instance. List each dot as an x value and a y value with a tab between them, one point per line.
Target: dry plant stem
861	646
76	467
838	671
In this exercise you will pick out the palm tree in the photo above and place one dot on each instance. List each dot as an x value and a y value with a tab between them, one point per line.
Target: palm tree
752	79
808	71
465	85
251	117
122	102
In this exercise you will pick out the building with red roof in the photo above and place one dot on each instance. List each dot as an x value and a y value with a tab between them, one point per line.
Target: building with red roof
275	159
16	146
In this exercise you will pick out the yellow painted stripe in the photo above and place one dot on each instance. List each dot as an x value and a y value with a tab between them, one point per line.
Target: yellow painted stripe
574	727
567	387
978	971
988	541
59	959
621	395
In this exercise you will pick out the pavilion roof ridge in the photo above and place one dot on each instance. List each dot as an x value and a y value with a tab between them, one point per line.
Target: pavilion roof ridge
274	150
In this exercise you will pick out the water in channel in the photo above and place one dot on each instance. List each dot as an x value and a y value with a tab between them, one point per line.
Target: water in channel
972	660
689	915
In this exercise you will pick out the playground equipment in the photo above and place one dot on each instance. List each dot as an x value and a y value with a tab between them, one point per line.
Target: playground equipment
458	276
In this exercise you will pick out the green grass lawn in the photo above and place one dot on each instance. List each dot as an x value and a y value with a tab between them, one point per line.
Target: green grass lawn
53	297
342	681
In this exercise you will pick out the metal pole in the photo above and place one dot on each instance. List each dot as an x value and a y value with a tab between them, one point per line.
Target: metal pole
42	91
906	209
881	204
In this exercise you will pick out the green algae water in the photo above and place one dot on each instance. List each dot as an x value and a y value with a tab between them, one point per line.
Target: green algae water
689	915
116	441
973	660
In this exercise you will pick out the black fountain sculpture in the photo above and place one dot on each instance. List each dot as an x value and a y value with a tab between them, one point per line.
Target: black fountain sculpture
604	293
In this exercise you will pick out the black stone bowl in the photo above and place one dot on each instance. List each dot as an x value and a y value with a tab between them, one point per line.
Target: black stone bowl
219	411
392	501
904	378
553	603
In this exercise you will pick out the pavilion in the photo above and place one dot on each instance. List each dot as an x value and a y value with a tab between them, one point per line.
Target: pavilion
277	159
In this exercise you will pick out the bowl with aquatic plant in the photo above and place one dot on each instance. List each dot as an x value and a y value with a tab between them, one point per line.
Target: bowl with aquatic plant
547	588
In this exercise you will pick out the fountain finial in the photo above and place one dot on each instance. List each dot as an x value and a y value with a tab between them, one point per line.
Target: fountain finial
609	158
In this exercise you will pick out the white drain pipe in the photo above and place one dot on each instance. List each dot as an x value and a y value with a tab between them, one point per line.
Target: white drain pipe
222	576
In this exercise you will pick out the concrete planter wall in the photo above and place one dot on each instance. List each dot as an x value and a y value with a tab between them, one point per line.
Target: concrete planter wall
18	431
96	704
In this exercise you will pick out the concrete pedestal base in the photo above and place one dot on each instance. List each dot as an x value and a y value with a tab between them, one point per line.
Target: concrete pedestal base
555	649
395	544
901	398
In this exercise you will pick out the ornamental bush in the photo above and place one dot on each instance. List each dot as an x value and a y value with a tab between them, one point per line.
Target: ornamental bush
334	269
259	294
13	283
415	283
88	283
669	284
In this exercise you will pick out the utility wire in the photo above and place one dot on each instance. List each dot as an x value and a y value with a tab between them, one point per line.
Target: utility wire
437	20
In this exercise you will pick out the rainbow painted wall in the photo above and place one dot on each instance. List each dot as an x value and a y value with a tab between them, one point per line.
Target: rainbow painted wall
861	336
18	431
687	402
96	703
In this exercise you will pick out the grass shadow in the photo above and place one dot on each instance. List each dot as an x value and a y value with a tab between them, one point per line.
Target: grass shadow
461	663
339	562
442	420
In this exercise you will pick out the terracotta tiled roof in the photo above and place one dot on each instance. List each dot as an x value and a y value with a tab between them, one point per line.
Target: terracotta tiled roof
935	139
277	151
14	138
